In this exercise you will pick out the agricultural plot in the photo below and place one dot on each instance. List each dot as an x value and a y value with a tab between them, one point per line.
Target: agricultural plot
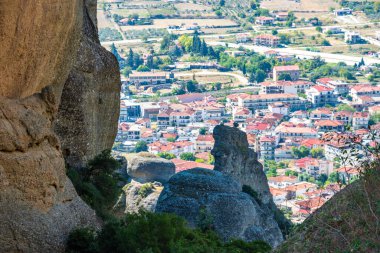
299	5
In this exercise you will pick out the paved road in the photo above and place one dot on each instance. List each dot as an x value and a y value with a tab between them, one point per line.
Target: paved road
303	54
242	79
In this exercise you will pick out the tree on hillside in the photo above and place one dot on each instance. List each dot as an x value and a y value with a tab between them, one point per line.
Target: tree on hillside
191	86
166	155
117	55
143	68
204	48
130	58
188	156
300	152
149	62
285	77
141	146
260	76
222	2
197	44
202	131
317	152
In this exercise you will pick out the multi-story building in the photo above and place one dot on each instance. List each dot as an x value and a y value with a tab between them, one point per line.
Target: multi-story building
241	115
360	120
320	113
266	40
339	86
279	107
242	37
329	125
313	167
175	148
129	111
292	70
204	143
352	37
257	102
182	118
267	145
292	87
163	120
264	21
142	78
320	95
343	116
287	130
364	90
149	110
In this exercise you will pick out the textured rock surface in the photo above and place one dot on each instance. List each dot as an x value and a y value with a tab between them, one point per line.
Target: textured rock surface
38	46
37	39
233	157
232	214
144	167
137	196
87	125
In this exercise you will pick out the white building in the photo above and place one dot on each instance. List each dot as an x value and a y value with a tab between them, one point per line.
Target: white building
320	96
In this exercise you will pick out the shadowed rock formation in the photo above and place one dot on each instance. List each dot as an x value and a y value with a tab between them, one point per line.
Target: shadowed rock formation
38	44
234	157
89	111
207	198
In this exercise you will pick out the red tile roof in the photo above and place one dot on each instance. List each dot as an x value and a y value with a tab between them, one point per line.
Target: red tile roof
286	68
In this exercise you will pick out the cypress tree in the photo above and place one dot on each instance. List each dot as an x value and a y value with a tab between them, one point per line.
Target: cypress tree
130	58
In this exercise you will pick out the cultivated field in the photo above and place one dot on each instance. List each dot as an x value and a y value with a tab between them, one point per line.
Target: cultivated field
300	6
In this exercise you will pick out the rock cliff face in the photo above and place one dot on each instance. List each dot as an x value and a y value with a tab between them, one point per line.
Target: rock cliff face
233	157
209	198
38	44
87	124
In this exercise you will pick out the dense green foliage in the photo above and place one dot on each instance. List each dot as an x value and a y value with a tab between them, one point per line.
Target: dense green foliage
166	155
188	156
141	146
154	233
96	184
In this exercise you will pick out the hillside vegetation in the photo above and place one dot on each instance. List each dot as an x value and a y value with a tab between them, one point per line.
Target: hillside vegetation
349	222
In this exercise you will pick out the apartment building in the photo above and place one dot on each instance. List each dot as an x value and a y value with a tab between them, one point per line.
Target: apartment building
320	96
292	70
144	78
266	40
257	102
292	87
267	145
360	120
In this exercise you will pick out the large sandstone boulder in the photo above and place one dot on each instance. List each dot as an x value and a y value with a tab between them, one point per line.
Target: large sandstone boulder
39	41
201	195
89	110
234	157
145	167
